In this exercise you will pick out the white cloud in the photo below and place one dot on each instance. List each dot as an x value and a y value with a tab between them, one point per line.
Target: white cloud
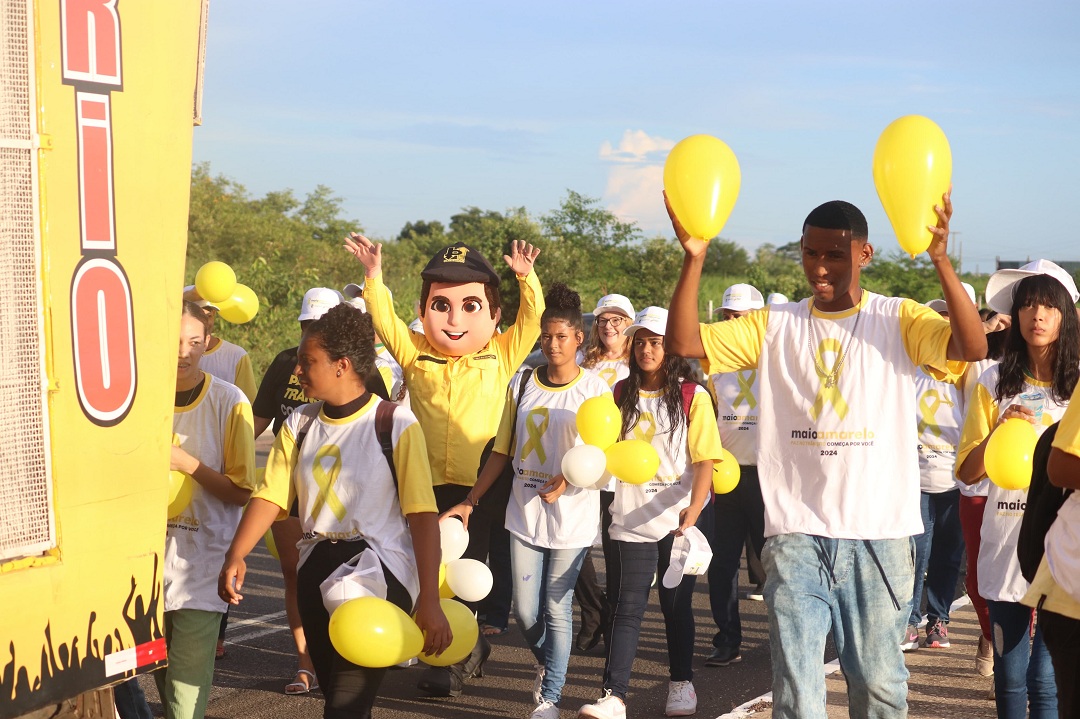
636	179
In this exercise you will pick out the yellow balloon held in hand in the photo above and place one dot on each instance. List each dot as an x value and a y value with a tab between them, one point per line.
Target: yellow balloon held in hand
1008	455
912	170
466	632
241	307
702	180
372	632
725	474
215	281
180	490
599	421
634	461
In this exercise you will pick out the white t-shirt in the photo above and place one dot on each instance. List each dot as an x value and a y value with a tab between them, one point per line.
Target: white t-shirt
611	371
939	417
343	482
392	375
649	512
971	380
737	410
231	363
836	461
545	428
217	430
999	569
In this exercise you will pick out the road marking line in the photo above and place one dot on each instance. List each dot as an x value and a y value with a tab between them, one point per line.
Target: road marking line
260	627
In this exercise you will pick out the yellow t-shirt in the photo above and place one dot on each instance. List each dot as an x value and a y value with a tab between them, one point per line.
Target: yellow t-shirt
1068	434
836	459
343	484
458	400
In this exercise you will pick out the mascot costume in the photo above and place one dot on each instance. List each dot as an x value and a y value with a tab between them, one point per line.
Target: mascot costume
457	372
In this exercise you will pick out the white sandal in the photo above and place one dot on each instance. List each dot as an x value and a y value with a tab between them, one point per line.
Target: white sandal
299	686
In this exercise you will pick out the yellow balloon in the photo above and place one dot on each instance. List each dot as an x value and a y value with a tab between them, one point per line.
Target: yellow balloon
599	421
702	179
1008	455
634	461
912	170
372	632
241	307
466	632
445	592
725	474
180	490
215	281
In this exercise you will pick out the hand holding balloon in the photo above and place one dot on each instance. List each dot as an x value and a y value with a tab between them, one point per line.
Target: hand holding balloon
939	245
553	489
691	245
434	626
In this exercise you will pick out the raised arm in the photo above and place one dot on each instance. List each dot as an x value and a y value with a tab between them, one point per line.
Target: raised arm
519	339
683	336
968	341
393	331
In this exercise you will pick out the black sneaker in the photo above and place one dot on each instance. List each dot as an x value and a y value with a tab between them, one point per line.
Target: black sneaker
722	657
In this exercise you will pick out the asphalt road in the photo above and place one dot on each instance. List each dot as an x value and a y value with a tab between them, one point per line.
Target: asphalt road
260	660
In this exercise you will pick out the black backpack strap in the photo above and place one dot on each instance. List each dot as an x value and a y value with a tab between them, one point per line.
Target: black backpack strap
384	426
306	418
517	406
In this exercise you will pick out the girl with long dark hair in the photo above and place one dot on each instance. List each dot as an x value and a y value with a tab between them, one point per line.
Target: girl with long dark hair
660	404
1041	358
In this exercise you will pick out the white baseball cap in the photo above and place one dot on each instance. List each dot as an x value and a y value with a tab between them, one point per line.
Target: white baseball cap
775	298
192	295
653	319
690	554
1002	284
317	301
941	306
614	303
417	326
742	297
353	294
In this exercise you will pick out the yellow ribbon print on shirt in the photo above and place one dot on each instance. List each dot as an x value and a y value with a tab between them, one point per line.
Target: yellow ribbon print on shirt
746	380
646	427
609	375
326	481
929	404
829	392
535	430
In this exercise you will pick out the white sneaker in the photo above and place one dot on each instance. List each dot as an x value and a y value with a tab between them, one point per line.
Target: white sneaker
538	683
681	699
545	710
607	707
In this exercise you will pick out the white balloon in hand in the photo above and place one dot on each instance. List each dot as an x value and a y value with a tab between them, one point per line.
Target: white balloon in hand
584	465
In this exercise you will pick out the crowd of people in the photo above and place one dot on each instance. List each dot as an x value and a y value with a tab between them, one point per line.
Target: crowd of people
859	422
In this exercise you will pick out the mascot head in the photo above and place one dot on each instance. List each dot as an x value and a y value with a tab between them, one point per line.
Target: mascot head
459	300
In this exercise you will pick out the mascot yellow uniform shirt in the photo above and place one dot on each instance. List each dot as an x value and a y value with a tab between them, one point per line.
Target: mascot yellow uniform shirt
545	428
231	363
999	569
216	429
458	399
647	512
837	449
344	486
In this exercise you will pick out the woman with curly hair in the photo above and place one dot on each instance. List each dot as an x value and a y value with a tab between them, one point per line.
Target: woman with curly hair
551	523
661	404
1041	358
329	457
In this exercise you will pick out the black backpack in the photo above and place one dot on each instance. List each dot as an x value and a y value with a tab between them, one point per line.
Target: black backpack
1043	502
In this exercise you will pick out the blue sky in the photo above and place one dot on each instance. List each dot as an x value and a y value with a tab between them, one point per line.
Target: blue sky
413	110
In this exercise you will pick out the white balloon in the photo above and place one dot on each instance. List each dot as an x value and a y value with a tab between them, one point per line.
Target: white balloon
453	539
604	481
470	579
584	465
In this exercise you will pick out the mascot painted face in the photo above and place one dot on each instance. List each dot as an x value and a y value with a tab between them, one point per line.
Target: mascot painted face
459	301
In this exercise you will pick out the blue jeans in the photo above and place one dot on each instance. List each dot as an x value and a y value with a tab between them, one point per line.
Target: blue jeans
130	700
633	565
860	590
938	553
1023	672
543	602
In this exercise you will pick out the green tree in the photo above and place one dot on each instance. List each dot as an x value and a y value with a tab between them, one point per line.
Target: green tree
725	257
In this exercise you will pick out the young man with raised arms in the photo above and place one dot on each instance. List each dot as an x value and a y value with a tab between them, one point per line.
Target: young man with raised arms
837	458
